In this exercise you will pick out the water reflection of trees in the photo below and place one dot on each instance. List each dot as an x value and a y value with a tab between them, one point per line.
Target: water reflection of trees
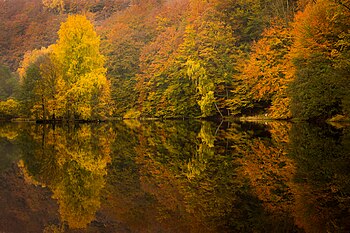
195	176
72	162
9	152
269	172
322	180
180	176
242	177
146	175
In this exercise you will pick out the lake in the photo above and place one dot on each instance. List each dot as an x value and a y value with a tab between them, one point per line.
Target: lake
175	176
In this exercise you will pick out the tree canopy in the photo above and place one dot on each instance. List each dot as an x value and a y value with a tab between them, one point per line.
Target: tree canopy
67	80
179	58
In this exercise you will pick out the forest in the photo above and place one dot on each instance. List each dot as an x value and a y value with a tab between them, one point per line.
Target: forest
104	59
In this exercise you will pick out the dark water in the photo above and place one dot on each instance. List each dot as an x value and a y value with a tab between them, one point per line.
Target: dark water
175	176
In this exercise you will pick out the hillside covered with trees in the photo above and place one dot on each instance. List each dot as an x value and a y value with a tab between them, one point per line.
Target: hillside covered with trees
98	59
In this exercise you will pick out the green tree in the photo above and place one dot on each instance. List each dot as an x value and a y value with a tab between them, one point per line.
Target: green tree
187	70
208	53
320	54
127	34
9	83
42	86
165	90
28	97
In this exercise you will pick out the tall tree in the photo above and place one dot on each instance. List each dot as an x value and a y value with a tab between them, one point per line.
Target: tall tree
209	53
77	53
41	85
127	34
320	54
9	83
165	91
192	69
266	73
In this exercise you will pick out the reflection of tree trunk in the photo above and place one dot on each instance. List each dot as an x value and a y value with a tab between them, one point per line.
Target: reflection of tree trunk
43	107
227	97
43	138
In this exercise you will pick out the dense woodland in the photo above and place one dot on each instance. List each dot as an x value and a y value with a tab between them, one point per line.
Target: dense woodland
97	59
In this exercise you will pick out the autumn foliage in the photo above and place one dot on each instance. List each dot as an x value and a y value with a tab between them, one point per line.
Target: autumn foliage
179	58
67	80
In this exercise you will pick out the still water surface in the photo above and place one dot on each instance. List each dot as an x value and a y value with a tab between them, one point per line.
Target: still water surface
174	176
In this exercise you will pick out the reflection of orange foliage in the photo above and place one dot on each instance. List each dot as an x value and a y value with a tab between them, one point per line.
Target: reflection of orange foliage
306	216
157	179
160	182
280	131
313	211
270	173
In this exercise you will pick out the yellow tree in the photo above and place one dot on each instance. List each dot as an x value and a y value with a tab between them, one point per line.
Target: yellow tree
77	53
54	4
9	108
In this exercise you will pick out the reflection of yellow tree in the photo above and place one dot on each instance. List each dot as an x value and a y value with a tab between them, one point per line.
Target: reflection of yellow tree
199	161
73	165
193	182
9	131
162	154
84	160
78	195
